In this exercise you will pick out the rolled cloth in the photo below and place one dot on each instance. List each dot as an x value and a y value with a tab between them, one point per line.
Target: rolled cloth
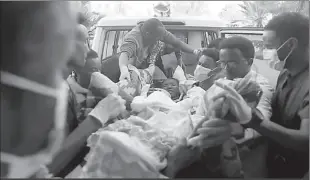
226	156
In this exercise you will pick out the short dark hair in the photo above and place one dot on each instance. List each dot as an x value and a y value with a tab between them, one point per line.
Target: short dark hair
171	79
243	44
211	52
81	18
290	24
215	43
151	25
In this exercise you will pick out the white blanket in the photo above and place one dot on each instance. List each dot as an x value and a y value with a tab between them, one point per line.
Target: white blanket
147	137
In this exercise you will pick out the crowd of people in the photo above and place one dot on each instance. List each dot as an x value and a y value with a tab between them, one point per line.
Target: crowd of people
54	96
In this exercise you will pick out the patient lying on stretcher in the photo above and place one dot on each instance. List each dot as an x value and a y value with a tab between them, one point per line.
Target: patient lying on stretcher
142	142
152	130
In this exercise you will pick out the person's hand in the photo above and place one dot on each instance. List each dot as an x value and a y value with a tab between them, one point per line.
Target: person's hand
197	51
76	87
125	75
86	111
237	131
179	157
183	89
213	132
237	105
108	108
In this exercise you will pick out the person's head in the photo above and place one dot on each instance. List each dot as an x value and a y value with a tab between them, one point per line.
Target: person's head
288	35
172	86
152	30
207	62
216	43
36	43
78	58
236	56
209	58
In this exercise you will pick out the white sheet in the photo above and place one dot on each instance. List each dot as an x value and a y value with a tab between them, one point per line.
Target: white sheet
147	137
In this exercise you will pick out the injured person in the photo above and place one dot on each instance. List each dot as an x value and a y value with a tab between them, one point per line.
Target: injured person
156	125
153	141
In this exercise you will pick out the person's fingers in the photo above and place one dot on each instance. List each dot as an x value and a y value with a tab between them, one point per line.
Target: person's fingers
218	103
213	132
233	101
229	89
209	141
219	95
212	142
214	123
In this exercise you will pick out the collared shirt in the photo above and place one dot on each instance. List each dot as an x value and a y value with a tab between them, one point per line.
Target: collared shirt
290	105
288	89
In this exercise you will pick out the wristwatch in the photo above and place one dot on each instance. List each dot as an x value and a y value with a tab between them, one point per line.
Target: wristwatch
256	120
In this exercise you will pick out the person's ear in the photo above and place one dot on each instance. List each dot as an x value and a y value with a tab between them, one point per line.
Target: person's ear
250	61
293	43
147	34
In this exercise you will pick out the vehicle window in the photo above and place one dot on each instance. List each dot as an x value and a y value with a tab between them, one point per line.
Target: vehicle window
182	35
108	44
121	37
114	39
209	36
257	40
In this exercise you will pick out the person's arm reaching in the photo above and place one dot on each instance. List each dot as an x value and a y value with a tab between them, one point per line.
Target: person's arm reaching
107	108
264	107
169	38
128	50
290	138
252	118
73	144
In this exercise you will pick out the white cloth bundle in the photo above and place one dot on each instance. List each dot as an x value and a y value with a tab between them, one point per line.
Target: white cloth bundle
99	81
155	100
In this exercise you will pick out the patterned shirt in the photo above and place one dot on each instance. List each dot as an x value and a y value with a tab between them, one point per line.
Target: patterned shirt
138	53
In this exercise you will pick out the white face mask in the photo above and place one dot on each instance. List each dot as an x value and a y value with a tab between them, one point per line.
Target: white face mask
201	73
23	167
271	56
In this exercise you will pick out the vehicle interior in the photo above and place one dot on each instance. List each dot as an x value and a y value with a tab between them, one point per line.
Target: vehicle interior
114	37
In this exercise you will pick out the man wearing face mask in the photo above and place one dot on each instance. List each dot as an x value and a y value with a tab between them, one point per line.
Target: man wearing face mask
288	129
236	58
206	63
33	93
208	69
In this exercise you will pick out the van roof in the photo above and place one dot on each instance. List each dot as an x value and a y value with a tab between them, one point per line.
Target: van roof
246	30
133	21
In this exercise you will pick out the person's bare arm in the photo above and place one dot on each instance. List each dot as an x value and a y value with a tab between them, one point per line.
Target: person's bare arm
73	144
264	107
252	118
169	38
128	50
106	109
290	138
123	60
